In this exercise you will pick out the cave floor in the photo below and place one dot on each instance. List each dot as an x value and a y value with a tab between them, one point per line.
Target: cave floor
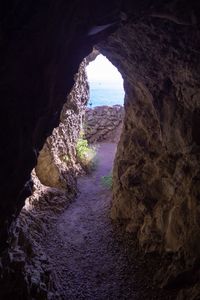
89	255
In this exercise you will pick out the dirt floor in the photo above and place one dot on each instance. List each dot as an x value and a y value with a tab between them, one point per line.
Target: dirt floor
91	257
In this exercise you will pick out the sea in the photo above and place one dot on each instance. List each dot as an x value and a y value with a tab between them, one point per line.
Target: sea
105	94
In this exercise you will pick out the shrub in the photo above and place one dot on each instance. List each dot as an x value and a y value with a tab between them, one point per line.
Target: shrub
86	154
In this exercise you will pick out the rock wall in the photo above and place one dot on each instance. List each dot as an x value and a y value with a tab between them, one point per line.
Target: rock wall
41	48
157	167
103	123
57	164
26	258
54	187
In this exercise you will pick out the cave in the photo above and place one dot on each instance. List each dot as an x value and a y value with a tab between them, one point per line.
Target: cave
103	117
156	177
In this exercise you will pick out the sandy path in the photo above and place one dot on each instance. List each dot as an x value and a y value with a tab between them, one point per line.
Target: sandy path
88	260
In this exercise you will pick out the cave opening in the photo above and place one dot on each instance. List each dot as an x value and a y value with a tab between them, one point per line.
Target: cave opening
103	119
55	185
105	83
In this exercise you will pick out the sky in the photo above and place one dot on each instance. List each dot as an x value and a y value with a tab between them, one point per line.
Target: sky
101	70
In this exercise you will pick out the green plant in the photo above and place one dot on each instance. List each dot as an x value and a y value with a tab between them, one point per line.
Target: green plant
106	181
86	154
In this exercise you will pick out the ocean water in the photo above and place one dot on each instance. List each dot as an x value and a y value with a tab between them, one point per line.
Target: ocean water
105	94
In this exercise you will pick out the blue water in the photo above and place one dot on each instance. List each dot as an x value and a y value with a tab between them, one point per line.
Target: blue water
101	94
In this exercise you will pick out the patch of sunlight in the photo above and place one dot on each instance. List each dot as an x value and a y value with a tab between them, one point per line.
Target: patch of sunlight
106	83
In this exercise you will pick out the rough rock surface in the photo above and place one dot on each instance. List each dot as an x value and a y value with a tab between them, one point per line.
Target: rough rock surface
29	274
55	184
57	164
103	123
157	166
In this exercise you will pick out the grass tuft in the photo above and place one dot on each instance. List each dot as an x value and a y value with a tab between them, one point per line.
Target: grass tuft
106	181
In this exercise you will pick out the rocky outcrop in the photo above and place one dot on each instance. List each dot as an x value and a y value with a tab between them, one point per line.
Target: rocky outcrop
27	258
57	164
103	123
157	167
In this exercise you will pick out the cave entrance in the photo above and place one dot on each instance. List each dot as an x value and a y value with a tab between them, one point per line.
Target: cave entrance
55	185
106	83
104	114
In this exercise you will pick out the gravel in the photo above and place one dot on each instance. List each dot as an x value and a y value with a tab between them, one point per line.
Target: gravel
90	256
